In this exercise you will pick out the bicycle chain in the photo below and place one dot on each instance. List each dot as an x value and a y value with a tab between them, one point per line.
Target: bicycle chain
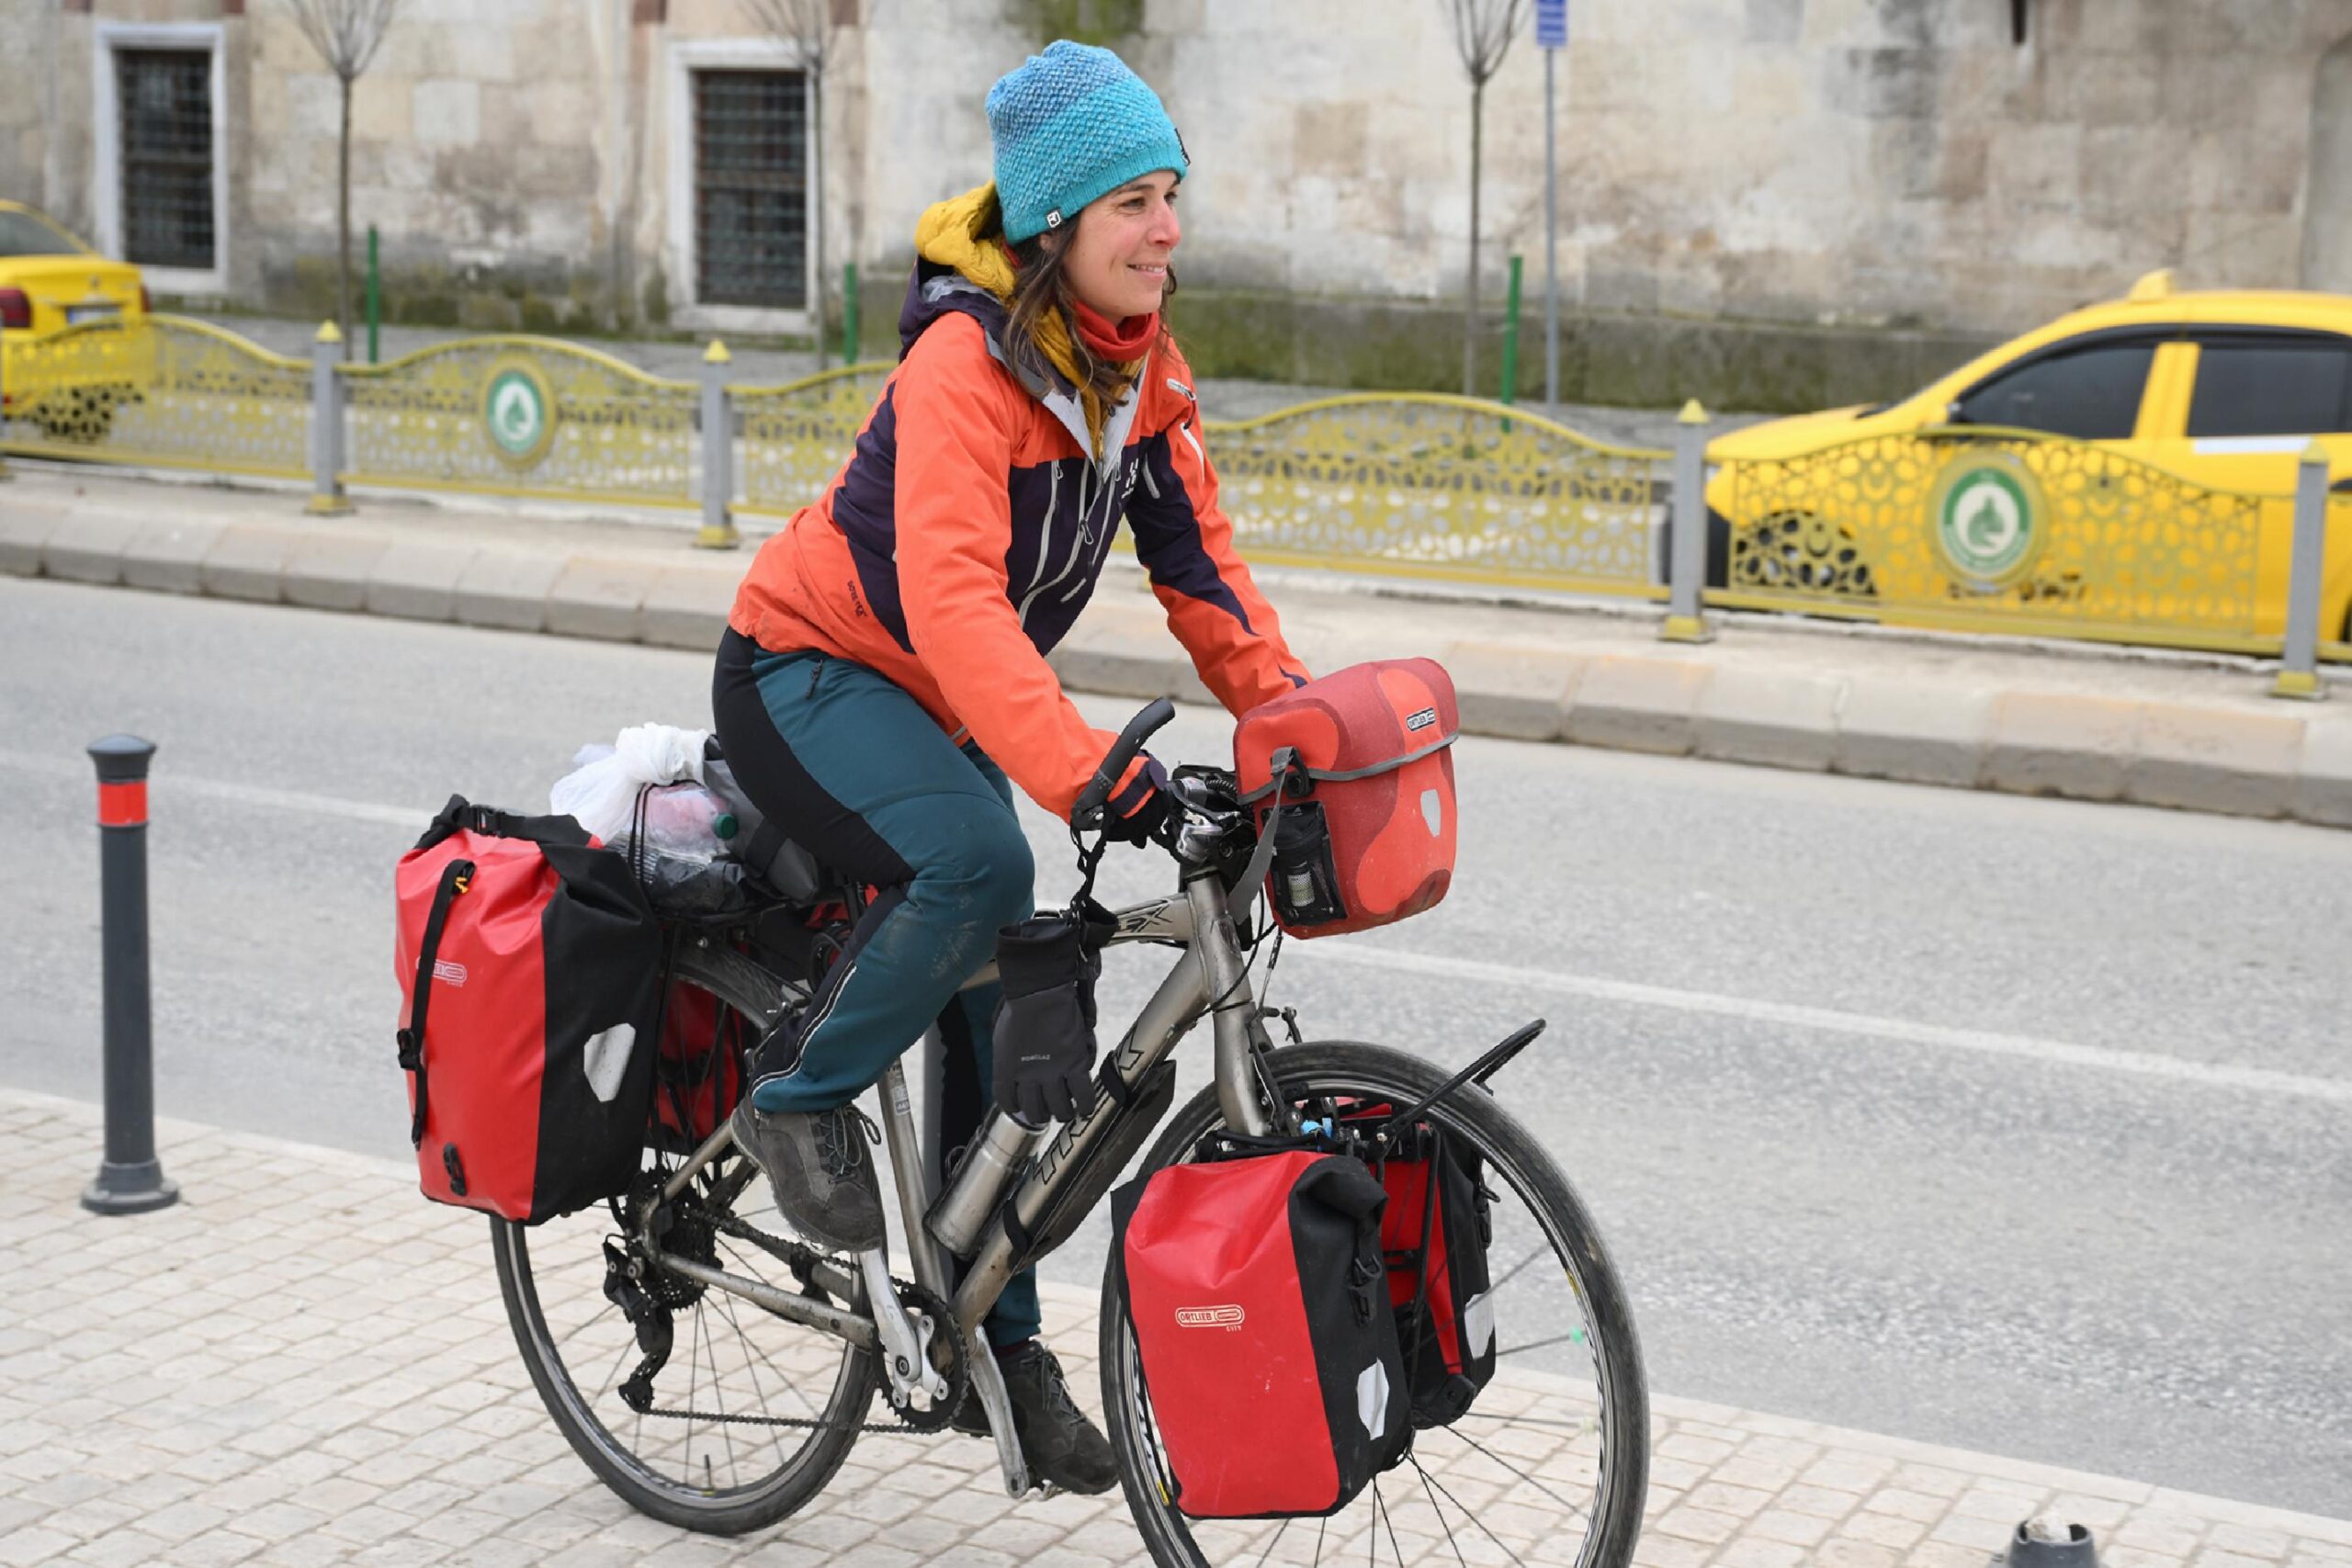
943	1317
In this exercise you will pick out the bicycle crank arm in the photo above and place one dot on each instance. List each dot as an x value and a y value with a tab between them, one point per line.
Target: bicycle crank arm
987	1387
905	1362
820	1316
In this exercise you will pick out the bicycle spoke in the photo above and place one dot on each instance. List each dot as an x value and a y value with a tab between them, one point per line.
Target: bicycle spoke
751	1369
1575	1333
1380	1508
1513	1272
1264	1556
1475	1520
590	1322
1578	1428
1438	1511
1497	1458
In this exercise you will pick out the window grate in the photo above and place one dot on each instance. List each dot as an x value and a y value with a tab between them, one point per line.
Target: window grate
166	95
751	189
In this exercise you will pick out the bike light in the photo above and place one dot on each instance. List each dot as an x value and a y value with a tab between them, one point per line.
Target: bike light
16	310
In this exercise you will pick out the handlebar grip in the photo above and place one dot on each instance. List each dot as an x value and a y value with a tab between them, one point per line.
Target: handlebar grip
1123	751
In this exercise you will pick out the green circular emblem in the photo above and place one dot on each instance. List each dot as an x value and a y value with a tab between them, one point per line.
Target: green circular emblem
518	412
1987	511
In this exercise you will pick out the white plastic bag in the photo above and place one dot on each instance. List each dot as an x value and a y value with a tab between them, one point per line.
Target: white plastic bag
601	790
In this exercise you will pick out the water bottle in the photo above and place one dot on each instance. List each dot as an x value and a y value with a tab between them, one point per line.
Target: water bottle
686	821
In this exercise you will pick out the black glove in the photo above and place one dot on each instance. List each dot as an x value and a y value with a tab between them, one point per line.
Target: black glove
1149	816
1044	1028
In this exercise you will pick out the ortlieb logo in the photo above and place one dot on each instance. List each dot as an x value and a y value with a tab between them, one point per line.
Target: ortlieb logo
1421	720
1209	1317
448	974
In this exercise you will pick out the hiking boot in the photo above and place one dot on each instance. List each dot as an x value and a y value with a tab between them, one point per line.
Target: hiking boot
816	1165
1058	1441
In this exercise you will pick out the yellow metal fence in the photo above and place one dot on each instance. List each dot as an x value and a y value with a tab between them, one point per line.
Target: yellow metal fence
1975	530
795	437
1998	530
522	416
1443	487
159	391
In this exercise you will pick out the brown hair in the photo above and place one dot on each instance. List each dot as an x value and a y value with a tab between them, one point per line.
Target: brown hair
1042	283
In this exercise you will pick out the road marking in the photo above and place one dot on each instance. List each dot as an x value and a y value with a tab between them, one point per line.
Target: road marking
1828	1021
1824	1021
165	784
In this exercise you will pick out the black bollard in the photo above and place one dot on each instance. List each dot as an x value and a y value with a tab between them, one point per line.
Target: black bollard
2037	1544
131	1180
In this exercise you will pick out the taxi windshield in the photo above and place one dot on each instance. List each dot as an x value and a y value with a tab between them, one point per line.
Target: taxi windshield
22	235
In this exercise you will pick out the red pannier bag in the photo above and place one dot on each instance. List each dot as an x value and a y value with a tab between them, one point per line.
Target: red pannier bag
1438	1276
1364	818
700	1074
529	965
1254	1290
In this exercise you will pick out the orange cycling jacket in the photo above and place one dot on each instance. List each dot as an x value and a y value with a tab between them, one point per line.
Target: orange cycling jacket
961	540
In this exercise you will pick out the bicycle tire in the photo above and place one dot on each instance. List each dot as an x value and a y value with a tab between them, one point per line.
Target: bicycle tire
710	1508
1514	1156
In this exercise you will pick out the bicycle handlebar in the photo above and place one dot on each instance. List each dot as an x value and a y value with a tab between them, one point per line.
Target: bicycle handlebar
1087	813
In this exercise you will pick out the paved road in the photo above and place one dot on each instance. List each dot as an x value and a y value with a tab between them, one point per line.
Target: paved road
2019	1125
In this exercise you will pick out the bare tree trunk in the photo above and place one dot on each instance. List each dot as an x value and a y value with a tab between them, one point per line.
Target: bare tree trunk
1470	290
343	219
817	209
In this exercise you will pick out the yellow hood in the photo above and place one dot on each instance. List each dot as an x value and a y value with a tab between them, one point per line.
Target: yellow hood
965	232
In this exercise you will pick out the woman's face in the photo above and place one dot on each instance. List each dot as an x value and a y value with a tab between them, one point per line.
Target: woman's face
1118	254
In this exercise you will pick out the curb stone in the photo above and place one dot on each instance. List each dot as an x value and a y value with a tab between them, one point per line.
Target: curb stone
2156	734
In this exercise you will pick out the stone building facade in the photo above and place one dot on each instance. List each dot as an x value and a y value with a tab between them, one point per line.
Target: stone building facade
1769	202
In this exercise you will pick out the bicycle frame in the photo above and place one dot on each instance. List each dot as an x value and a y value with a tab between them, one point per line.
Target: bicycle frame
1210	975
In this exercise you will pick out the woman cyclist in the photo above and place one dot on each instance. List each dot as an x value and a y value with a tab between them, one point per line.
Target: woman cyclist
884	671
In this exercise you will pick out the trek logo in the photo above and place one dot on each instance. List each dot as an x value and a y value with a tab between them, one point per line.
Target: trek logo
448	974
1421	720
1228	1316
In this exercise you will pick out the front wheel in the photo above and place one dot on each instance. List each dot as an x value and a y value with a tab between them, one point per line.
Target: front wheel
1547	1466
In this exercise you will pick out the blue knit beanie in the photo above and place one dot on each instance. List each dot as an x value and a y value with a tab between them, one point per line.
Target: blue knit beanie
1071	124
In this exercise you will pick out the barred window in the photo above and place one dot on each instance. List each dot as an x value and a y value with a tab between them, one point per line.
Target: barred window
166	97
750	188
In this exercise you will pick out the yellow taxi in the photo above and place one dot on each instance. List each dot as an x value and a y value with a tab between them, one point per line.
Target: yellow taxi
2224	391
48	281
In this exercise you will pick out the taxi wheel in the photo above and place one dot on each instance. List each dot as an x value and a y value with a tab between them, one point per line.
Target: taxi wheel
1800	552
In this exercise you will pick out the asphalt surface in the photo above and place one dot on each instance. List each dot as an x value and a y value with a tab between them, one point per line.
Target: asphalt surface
2015	1124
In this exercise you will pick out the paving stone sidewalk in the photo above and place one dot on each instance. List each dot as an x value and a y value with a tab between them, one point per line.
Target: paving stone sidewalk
303	1363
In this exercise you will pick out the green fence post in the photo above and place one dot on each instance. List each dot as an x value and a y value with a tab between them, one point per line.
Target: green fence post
375	297
1510	338
719	531
849	312
2298	659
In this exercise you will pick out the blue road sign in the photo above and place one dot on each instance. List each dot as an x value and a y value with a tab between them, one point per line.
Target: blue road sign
1551	24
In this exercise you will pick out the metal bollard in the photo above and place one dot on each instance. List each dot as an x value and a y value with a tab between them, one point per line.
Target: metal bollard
2299	660
1686	570
327	499
131	1179
717	453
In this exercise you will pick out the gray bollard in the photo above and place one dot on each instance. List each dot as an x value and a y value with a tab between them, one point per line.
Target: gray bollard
131	1180
2038	1543
1686	571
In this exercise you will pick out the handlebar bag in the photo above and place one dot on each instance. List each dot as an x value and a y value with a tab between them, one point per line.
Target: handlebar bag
530	968
1268	1351
1355	774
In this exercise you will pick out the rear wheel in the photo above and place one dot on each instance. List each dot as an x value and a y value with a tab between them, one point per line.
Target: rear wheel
748	1415
1547	1466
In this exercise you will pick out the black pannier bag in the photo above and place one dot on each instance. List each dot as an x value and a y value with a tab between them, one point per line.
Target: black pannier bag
530	975
1254	1287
